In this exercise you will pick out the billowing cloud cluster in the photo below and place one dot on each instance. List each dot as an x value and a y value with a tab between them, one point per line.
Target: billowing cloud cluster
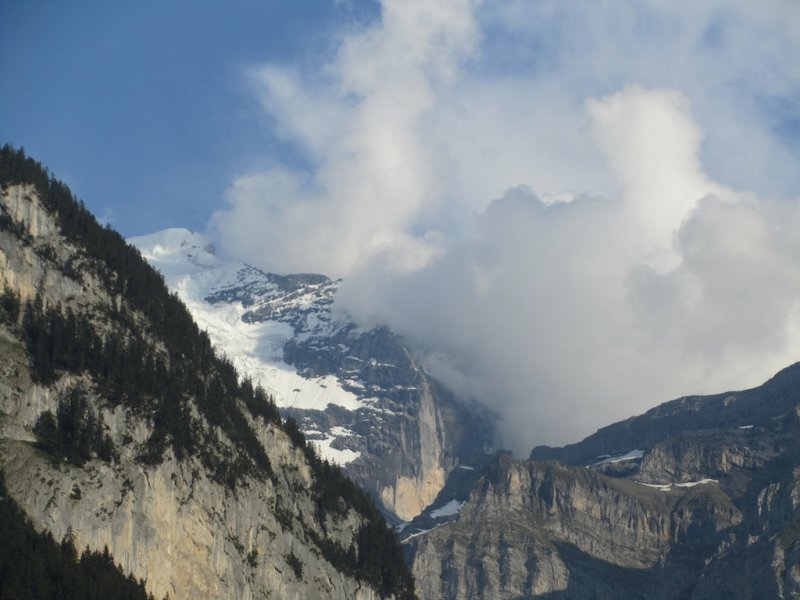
568	315
362	125
573	213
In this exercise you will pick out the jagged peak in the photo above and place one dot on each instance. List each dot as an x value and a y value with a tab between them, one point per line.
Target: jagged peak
178	251
175	243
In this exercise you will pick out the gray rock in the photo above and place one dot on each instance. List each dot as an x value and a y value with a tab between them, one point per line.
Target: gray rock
411	434
708	508
170	525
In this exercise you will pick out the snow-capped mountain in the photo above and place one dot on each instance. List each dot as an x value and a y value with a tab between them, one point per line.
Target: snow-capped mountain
358	394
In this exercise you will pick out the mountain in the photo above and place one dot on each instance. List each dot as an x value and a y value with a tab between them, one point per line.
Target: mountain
124	432
358	394
697	498
121	430
34	565
759	406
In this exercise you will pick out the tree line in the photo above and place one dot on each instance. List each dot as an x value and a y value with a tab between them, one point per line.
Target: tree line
34	566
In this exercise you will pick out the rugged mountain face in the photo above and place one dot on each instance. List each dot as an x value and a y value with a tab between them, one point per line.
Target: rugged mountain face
697	498
358	394
187	476
726	411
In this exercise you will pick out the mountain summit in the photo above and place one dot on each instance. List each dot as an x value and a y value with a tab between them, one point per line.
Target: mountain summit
359	395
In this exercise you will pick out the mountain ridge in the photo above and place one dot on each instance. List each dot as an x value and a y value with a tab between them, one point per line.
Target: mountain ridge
359	394
697	498
728	409
205	491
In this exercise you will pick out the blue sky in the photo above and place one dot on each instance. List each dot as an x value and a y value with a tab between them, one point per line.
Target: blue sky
146	111
143	108
573	210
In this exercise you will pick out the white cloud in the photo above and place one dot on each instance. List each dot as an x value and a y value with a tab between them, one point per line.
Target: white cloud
671	269
565	317
363	124
652	145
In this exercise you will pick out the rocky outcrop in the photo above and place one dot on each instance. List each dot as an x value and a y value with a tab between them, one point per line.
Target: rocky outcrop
690	501
172	523
412	431
34	257
532	529
412	434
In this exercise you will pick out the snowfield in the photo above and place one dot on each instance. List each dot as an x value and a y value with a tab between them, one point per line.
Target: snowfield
632	455
448	510
191	268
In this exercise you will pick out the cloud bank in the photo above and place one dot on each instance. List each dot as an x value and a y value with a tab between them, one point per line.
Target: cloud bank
573	213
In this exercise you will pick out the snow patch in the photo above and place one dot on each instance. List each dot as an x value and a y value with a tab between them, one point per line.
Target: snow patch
334	455
191	268
339	431
448	510
420	532
666	487
632	455
689	484
257	349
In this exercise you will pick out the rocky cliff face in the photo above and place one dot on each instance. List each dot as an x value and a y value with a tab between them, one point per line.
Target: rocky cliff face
358	394
171	523
29	254
698	498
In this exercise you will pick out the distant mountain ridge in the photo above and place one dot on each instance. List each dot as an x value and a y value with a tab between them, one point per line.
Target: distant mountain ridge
746	408
359	395
698	498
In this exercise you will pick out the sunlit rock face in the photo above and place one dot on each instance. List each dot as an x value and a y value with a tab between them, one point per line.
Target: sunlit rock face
170	524
697	498
359	394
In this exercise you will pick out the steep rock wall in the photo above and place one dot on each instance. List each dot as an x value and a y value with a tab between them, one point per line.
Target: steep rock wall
170	524
538	528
